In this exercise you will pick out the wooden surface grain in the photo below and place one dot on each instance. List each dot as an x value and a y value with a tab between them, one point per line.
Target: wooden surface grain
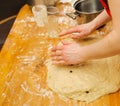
22	70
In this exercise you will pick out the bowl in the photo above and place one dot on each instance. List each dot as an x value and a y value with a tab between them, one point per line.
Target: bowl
88	6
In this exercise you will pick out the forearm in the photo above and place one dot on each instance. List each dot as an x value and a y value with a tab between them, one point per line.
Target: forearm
106	47
100	20
109	45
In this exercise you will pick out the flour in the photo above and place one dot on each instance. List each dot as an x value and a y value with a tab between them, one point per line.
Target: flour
68	1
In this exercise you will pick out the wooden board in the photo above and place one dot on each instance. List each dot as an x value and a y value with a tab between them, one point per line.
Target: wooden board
22	70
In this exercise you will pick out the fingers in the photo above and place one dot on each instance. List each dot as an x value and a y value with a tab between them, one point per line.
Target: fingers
78	35
65	42
62	62
56	53
57	58
71	30
57	48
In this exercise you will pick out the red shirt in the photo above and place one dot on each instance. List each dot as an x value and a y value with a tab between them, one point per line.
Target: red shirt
105	5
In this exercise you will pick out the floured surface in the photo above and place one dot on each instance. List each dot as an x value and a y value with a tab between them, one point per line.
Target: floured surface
22	69
85	82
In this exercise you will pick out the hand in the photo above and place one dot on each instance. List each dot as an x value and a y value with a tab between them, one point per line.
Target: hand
68	53
80	30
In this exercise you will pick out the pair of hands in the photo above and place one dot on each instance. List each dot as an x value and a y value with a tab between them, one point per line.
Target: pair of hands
71	52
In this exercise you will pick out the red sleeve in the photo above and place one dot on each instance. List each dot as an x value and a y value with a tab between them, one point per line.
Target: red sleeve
105	5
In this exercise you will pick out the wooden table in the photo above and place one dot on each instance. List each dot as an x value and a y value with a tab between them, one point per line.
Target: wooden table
22	70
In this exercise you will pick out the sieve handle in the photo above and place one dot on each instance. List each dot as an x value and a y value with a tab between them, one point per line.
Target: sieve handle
73	15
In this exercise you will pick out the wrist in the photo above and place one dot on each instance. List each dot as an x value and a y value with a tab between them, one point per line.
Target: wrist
83	55
92	26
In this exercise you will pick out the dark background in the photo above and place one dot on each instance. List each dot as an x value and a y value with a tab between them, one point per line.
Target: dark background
8	8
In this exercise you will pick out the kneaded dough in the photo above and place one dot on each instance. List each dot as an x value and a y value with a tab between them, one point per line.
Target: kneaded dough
85	82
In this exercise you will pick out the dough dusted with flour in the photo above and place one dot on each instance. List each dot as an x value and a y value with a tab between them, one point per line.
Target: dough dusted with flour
85	82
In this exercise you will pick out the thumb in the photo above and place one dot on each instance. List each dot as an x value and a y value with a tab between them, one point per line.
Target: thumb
78	35
66	42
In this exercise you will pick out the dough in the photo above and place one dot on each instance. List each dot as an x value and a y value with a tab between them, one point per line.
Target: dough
85	82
